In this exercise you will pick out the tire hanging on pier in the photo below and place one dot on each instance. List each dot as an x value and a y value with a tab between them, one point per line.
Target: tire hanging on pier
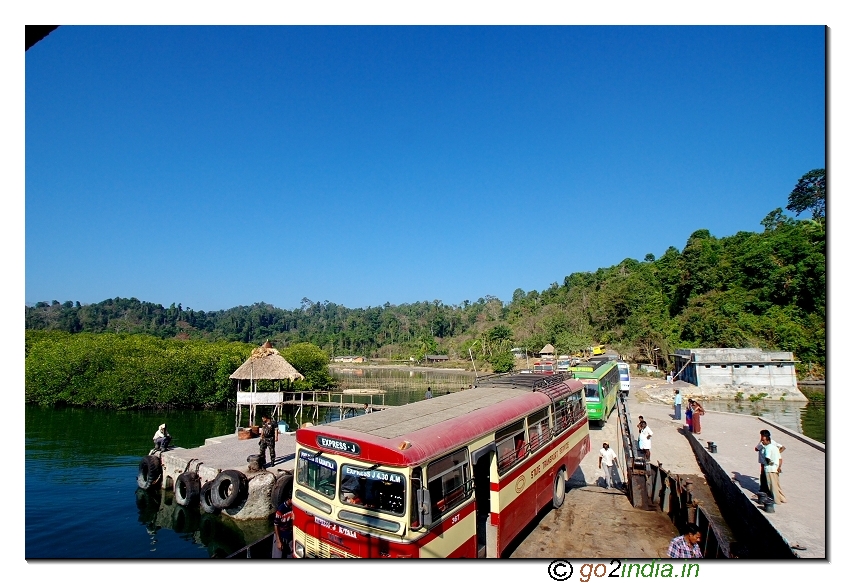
150	472
206	499
187	489
229	488
281	490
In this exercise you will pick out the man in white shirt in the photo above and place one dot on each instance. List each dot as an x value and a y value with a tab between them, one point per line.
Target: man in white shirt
760	449
608	464
772	468
645	439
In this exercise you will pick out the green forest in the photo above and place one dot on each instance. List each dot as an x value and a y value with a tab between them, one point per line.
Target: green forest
764	289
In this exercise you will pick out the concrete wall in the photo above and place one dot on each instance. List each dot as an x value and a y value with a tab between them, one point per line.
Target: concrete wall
747	370
751	527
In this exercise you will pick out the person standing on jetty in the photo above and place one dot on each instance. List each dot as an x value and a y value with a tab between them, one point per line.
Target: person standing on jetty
689	415
760	449
645	439
677	406
697	417
772	468
269	433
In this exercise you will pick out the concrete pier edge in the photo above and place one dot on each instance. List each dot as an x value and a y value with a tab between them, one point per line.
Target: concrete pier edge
807	440
750	521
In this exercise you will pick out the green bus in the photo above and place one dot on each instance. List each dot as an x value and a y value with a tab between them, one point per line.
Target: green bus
601	381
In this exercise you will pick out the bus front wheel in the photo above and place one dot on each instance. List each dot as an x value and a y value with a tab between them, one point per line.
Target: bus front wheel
559	489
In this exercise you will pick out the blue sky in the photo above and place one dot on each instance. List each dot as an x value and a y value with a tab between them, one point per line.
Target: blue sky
222	166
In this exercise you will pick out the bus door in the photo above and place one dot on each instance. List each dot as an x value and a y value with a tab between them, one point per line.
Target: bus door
481	460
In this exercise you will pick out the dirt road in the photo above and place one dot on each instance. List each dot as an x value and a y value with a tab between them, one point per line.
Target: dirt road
595	522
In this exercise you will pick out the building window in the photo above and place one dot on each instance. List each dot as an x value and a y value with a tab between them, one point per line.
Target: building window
708	366
736	366
722	366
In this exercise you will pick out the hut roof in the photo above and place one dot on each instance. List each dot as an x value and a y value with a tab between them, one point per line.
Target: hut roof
266	363
548	349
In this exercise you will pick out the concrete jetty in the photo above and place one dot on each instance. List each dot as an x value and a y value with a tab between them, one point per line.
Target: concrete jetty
229	452
734	473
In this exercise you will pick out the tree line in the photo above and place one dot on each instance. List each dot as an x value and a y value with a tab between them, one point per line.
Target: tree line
763	289
139	371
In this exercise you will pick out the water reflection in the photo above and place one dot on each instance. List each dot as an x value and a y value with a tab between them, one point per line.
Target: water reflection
806	418
221	536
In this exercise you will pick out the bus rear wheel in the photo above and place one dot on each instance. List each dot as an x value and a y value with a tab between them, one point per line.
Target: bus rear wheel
559	489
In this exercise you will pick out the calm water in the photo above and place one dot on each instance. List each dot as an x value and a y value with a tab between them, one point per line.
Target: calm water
806	418
81	469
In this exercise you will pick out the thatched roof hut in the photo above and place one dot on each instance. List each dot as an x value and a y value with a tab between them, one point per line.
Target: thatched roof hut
547	350
266	362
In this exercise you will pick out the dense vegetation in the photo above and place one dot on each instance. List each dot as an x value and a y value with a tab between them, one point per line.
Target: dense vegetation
753	289
127	371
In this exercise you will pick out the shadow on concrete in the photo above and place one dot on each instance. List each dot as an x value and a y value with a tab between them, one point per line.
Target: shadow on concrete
746	482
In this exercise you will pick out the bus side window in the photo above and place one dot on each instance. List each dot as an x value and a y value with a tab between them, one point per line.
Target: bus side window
448	482
510	445
538	428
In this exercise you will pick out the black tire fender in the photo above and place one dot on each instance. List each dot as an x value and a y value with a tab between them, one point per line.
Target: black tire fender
229	488
187	489
206	499
281	490
150	472
559	489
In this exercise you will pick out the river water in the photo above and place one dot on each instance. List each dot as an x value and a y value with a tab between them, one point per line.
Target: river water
81	499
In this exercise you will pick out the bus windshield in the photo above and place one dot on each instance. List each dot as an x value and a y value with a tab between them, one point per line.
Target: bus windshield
372	489
591	391
316	473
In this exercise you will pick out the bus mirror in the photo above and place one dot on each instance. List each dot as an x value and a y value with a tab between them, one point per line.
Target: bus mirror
423	497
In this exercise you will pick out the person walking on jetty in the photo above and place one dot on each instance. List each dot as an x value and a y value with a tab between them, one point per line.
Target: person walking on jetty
760	449
677	406
161	438
687	545
608	464
645	439
772	469
269	433
282	548
697	417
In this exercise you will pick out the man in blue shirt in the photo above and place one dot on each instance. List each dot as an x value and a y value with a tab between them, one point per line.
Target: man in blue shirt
677	406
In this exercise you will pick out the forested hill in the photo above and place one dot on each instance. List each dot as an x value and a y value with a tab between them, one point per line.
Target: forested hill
763	289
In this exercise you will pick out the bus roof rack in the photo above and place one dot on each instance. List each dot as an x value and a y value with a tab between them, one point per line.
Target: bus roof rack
525	381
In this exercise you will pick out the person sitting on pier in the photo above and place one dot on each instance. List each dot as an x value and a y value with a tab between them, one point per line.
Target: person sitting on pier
161	438
269	434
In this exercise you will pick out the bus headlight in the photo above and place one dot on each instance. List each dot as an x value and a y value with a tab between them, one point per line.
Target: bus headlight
298	550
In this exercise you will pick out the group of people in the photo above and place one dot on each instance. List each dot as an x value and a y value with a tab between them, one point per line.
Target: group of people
693	413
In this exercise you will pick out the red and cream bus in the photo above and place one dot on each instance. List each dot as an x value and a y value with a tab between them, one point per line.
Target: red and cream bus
458	475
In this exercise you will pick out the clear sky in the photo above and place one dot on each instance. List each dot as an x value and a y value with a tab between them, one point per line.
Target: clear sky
222	166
